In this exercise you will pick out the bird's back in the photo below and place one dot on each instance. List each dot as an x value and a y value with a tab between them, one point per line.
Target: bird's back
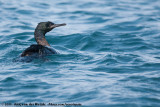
39	50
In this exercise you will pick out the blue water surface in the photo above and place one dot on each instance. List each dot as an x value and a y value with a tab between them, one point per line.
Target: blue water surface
109	53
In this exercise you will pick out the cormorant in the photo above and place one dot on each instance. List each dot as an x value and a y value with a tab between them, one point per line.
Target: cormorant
42	47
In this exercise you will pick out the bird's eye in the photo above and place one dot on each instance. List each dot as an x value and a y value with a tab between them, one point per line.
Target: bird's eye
47	24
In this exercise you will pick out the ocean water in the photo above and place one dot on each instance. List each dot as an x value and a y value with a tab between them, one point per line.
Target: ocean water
109	53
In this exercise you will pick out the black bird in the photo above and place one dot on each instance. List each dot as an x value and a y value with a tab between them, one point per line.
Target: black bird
42	47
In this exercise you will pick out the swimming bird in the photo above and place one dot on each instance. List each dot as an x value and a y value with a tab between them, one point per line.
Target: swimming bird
42	47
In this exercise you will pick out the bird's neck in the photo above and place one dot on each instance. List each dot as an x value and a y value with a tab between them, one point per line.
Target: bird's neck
40	38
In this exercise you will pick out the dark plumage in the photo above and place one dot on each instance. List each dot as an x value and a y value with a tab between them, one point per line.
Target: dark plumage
35	49
42	47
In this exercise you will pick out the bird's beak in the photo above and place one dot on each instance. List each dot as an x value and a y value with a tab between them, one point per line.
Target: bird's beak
57	25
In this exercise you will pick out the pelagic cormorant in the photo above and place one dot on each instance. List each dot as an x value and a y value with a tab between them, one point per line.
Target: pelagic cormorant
42	47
